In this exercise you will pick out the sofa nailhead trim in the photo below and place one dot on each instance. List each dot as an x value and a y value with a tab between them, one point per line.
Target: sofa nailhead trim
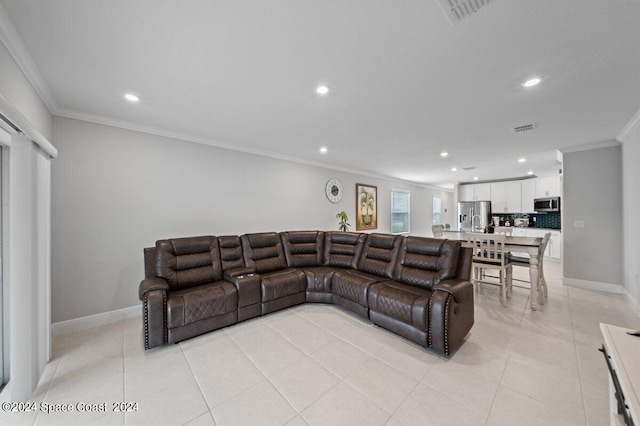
145	313
164	317
145	308
429	320
446	324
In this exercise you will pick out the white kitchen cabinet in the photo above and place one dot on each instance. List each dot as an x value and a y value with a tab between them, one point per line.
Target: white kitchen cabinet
528	191
513	196
477	192
506	197
548	186
483	191
467	193
498	197
554	247
519	232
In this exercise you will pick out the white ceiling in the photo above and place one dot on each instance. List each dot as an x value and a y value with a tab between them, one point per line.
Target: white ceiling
405	83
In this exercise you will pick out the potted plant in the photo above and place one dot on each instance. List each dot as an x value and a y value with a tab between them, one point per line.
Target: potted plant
343	225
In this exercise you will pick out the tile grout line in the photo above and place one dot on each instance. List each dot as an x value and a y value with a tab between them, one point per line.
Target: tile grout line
575	348
193	374
55	373
374	356
257	384
344	380
298	413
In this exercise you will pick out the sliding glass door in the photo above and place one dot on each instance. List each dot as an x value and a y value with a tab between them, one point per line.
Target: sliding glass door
4	295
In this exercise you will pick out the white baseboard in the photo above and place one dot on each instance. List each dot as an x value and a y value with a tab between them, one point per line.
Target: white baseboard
635	304
593	285
91	321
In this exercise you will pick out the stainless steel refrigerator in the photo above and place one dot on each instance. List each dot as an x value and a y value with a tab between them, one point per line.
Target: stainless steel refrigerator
474	216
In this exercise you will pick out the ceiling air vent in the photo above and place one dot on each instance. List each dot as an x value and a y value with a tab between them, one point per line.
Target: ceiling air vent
457	10
524	128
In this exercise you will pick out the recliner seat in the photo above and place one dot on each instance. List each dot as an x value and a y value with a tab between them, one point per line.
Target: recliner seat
281	286
196	298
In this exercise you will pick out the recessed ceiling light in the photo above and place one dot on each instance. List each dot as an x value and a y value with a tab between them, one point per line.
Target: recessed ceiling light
532	82
444	154
322	90
530	172
475	178
454	169
323	149
521	160
131	97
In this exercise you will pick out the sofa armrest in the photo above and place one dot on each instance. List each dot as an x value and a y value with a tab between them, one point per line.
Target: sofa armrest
231	274
151	284
461	290
153	294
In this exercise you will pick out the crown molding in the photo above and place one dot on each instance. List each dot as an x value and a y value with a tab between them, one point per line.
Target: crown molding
631	127
21	122
590	146
156	131
11	39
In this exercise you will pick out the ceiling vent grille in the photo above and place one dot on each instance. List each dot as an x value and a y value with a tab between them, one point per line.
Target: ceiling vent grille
457	10
524	128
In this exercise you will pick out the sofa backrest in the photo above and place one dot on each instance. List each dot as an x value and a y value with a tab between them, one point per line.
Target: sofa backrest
465	259
343	249
303	248
149	262
424	262
231	252
263	252
187	262
379	254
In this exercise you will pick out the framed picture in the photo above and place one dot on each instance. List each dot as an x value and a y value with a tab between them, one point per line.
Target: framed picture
366	207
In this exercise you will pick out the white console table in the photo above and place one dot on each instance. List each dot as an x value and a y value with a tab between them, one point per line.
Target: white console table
623	353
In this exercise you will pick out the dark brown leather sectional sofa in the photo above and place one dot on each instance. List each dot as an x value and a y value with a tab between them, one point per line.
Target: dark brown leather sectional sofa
416	287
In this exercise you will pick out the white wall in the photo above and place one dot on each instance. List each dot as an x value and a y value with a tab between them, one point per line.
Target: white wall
15	87
117	191
631	215
592	189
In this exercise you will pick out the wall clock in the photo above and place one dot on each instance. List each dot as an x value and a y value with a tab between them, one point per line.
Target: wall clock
334	190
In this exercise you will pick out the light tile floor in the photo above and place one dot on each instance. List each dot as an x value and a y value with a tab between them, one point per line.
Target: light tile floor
320	365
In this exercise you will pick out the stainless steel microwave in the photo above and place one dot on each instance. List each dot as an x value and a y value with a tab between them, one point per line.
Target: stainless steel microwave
549	204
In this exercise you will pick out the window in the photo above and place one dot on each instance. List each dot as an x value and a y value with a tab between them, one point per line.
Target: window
399	212
437	210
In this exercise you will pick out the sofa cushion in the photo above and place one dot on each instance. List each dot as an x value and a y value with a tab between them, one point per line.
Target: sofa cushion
303	248
425	262
276	285
319	278
402	302
197	303
188	262
379	254
353	285
343	249
263	252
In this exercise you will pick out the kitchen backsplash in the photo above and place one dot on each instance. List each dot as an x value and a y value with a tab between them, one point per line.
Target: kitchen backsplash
550	220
